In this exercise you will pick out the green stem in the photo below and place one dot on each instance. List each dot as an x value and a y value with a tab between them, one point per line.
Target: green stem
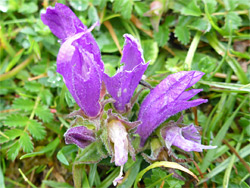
192	49
77	175
16	70
5	44
26	179
231	163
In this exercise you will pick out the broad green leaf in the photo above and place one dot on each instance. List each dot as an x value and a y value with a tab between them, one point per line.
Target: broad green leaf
150	50
124	7
201	24
16	120
232	21
36	130
191	9
79	5
140	8
46	96
10	135
13	151
44	113
61	157
33	86
23	104
211	5
93	14
162	36
28	8
182	33
26	143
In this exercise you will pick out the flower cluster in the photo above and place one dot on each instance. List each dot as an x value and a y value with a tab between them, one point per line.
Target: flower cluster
79	62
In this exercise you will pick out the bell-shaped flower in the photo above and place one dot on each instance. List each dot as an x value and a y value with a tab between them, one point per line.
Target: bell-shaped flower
79	58
166	99
123	84
81	136
187	138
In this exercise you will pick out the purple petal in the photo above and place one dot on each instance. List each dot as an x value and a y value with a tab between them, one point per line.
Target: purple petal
122	85
81	74
81	136
132	53
62	21
167	99
185	138
64	24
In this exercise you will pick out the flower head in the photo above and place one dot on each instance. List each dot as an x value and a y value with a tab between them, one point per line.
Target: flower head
123	84
81	136
79	59
187	138
166	99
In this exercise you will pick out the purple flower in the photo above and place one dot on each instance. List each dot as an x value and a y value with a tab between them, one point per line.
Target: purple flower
123	84
166	99
187	138
81	136
79	58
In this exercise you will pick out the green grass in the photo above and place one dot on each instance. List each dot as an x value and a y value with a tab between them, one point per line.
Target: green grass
209	36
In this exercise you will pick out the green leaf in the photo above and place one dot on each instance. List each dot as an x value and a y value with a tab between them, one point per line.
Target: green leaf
23	104
28	8
26	143
131	174
158	176
231	86
55	184
93	153
50	147
46	96
11	134
33	86
16	120
166	164
36	130
61	157
140	8
201	24
211	5
92	14
124	7
162	36
219	137
182	34
13	151
79	5
232	21
191	9
150	50
108	180
44	113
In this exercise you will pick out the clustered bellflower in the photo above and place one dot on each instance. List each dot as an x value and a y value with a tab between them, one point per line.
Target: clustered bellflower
79	62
